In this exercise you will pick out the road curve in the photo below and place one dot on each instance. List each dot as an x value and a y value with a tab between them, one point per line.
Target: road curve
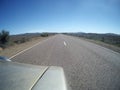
87	66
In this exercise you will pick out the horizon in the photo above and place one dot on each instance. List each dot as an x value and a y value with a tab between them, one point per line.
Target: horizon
89	16
63	33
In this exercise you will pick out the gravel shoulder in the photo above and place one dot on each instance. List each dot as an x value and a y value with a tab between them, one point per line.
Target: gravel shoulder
109	46
8	52
112	47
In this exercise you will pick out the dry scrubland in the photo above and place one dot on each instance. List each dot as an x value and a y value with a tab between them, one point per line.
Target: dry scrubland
108	40
109	46
13	44
10	51
112	47
24	41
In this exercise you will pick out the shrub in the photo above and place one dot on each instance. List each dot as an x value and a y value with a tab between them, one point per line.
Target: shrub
44	34
4	38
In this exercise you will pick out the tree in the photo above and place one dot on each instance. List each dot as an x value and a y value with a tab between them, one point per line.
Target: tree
44	34
4	37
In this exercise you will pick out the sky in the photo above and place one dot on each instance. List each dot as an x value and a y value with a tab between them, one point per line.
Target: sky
90	16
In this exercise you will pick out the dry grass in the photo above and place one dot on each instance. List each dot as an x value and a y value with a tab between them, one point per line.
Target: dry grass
8	52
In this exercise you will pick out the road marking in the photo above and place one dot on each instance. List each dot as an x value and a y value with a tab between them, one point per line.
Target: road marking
28	48
23	51
65	43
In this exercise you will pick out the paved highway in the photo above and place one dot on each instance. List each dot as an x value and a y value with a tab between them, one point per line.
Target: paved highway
87	66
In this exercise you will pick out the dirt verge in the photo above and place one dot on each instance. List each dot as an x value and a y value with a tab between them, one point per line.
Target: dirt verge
8	52
112	47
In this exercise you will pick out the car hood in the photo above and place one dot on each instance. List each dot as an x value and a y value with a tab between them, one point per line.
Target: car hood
17	76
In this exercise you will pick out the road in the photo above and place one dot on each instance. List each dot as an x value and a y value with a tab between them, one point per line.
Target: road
87	66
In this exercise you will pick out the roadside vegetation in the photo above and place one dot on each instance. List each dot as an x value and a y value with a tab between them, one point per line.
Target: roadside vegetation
4	39
12	44
7	40
109	40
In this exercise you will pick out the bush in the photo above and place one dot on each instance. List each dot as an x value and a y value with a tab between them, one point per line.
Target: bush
4	38
44	34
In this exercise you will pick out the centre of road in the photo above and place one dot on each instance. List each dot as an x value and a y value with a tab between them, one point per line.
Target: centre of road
65	43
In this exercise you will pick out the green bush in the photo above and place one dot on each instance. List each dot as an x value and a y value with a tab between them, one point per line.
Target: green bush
44	34
4	38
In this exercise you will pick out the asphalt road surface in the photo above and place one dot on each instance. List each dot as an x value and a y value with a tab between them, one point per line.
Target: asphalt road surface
87	66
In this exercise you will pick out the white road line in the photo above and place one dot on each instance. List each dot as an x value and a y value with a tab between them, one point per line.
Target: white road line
65	43
27	49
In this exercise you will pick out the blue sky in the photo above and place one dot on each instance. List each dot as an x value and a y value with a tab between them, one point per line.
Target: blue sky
25	16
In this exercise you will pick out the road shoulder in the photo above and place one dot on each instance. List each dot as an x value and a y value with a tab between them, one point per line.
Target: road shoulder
13	50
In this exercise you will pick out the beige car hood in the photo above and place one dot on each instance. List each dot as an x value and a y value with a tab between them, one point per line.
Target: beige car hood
17	76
